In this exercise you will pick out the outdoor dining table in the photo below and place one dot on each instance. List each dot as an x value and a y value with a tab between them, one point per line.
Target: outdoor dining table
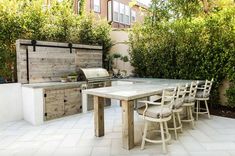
127	94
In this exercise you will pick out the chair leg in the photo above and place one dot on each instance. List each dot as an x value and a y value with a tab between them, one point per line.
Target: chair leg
174	122
191	117
197	110
180	123
163	138
167	132
207	109
187	111
144	135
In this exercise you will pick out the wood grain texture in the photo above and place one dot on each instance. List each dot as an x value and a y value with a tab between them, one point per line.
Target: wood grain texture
54	103
48	64
99	116
62	102
127	124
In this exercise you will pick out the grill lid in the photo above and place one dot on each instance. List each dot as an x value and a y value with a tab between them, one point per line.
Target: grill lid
92	74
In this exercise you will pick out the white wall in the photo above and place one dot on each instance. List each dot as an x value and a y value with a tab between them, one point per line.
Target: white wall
33	105
10	102
120	39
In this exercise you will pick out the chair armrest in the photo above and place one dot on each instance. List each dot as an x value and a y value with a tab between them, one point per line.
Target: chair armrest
200	88
151	103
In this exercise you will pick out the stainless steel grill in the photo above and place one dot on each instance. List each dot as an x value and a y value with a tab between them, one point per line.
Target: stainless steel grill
95	78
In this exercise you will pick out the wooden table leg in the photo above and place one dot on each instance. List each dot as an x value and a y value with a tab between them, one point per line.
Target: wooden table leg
99	116
128	124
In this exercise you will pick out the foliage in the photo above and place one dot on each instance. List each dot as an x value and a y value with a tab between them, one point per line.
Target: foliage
29	19
82	6
125	58
192	46
230	93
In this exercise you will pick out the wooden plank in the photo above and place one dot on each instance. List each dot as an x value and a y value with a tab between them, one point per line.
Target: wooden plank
50	66
50	63
127	124
99	116
54	103
72	103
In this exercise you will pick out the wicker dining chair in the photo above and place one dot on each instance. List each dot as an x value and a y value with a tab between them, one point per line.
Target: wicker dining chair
177	109
158	112
189	102
203	94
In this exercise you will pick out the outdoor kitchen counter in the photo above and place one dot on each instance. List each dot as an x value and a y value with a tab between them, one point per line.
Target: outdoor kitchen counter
127	94
53	85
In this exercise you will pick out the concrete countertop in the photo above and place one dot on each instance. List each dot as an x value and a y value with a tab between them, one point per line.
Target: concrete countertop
139	89
54	85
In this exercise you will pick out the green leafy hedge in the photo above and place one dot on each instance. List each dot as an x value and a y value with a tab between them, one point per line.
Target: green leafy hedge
33	20
201	47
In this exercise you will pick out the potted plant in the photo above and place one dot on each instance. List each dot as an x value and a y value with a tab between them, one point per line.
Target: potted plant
64	78
73	77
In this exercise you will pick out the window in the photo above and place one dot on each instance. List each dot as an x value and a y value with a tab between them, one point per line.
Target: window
133	16
127	15
109	10
97	5
115	11
122	13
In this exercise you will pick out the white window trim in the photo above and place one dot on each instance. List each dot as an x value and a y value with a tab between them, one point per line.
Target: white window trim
98	4
119	13
115	2
127	14
133	12
122	22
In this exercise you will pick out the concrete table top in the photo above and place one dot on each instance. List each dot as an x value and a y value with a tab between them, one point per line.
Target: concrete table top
139	89
54	85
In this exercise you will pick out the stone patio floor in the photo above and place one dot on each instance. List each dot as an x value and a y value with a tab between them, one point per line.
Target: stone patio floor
74	135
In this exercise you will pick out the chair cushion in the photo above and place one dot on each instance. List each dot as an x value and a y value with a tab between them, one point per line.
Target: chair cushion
189	99
200	95
178	103
155	111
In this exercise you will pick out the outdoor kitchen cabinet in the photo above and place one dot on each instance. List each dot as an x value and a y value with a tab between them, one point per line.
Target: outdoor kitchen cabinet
61	102
47	101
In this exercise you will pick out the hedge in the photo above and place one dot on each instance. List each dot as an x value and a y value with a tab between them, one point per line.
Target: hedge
28	19
200	47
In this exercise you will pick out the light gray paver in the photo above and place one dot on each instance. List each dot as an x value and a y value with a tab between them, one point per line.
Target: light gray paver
74	135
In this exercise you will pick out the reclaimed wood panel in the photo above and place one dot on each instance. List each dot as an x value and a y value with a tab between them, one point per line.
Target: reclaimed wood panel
99	116
73	102
127	124
48	64
54	103
89	58
62	102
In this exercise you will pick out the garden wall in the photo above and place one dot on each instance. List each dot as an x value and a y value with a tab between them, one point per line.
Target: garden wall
10	102
48	61
121	40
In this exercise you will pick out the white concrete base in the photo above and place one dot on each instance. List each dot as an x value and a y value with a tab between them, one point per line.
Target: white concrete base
10	102
33	105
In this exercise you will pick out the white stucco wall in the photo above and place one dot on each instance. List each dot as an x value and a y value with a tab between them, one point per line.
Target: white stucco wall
33	105
120	39
10	102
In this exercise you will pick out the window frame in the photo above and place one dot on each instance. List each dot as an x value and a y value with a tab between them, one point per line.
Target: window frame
129	14
118	5
99	6
133	11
